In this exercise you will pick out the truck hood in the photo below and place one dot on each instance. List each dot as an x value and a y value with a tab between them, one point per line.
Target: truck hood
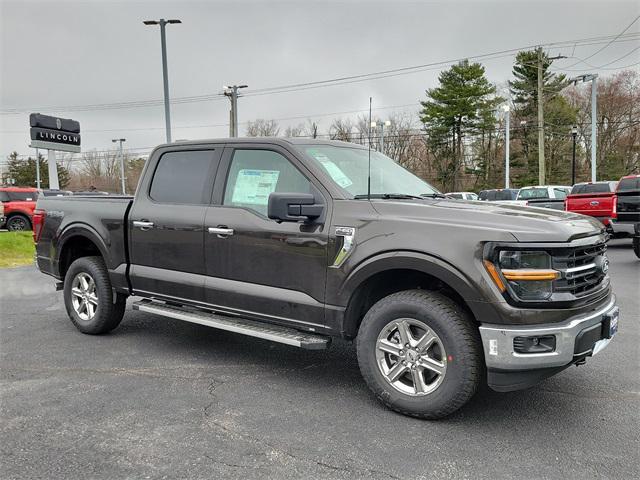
526	224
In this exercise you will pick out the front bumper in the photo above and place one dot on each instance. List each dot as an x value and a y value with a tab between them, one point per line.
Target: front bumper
576	338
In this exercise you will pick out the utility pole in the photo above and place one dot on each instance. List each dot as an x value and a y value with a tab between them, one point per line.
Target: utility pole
541	161
122	177
37	169
53	170
507	131
593	78
574	134
165	75
231	91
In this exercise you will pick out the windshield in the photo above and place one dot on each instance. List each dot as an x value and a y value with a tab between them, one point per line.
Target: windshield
528	193
348	168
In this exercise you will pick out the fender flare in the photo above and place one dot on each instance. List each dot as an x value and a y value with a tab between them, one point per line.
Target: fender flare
418	261
75	230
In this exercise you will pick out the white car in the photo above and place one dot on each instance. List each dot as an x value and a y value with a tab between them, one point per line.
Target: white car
544	196
462	195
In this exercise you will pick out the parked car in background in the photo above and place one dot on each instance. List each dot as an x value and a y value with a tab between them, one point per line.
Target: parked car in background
19	203
462	195
2	219
628	209
596	199
543	196
498	195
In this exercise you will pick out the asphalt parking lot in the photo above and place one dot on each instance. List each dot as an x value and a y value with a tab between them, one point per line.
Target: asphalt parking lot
158	398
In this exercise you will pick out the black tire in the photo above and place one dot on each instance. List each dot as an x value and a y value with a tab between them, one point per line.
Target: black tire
636	246
108	312
458	336
18	223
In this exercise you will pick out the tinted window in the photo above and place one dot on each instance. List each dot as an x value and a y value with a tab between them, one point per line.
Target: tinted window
506	194
22	196
457	196
560	193
182	177
482	195
629	184
602	187
4	197
255	174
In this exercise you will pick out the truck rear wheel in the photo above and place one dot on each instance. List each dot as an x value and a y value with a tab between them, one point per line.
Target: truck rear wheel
420	354
89	298
18	223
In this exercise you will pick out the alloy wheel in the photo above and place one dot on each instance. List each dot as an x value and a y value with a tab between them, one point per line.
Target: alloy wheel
84	296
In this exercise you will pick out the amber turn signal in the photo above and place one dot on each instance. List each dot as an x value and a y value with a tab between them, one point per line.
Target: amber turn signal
530	275
491	268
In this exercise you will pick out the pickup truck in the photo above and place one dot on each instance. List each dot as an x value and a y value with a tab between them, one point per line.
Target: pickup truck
597	199
542	196
628	208
298	241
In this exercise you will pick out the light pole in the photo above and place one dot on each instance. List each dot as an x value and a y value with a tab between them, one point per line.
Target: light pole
232	92
506	109
574	134
386	123
124	192
165	75
593	78
37	169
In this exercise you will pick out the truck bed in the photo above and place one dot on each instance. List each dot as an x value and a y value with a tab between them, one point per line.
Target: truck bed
102	216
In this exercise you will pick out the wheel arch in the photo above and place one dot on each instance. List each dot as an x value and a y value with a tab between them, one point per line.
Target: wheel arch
79	241
392	272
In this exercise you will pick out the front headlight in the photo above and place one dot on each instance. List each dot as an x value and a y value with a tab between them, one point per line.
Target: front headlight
527	274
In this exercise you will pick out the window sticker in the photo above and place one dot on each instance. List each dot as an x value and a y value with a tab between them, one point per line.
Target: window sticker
332	169
253	187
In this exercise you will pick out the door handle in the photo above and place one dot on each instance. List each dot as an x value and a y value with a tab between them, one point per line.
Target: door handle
221	232
142	224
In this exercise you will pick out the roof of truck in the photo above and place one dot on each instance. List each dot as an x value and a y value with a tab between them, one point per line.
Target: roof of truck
272	140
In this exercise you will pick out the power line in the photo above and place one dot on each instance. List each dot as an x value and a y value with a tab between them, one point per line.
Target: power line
609	43
301	86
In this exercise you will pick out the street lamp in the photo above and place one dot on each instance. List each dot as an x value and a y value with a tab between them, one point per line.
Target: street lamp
574	134
506	109
121	163
386	123
165	76
593	78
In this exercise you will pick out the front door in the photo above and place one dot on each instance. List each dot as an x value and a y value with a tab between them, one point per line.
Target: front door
167	224
257	266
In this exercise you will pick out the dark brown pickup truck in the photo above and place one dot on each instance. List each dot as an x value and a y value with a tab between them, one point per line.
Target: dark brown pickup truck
298	241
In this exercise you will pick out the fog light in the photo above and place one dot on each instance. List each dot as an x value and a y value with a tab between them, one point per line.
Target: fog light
540	344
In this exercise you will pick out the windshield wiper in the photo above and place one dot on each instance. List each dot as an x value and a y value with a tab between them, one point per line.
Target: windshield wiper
389	196
432	195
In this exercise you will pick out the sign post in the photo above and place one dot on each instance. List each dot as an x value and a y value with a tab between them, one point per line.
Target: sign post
56	135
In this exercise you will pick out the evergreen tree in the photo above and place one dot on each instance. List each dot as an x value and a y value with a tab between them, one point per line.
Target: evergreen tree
23	171
463	104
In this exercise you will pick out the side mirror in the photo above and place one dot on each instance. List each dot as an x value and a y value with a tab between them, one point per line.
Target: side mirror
293	207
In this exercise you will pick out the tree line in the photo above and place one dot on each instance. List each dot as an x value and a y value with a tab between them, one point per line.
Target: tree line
456	139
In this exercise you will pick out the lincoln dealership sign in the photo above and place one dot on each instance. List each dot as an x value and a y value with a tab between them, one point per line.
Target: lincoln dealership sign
53	133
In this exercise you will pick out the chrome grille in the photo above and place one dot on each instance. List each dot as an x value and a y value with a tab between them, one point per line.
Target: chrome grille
581	267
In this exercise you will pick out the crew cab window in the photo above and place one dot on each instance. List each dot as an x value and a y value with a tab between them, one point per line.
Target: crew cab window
255	174
18	196
182	177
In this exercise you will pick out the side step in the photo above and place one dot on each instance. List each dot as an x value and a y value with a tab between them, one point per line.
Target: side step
275	333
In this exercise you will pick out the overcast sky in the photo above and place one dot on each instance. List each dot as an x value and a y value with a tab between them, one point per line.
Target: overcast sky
57	53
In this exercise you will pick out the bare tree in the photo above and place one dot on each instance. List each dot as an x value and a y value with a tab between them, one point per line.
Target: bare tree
311	129
262	128
341	129
294	131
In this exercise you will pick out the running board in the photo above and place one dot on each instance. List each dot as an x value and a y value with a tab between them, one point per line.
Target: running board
275	333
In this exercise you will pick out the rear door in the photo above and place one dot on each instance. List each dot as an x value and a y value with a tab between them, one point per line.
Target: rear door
257	266
166	223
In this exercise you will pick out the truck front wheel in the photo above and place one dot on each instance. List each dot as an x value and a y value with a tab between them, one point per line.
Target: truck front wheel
420	354
89	298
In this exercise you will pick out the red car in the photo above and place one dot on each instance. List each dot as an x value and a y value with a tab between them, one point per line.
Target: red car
19	203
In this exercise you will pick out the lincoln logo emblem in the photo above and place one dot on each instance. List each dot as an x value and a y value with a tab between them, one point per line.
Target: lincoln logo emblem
58	123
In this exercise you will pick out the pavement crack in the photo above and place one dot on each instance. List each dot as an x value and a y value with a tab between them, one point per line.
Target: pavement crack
213	384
